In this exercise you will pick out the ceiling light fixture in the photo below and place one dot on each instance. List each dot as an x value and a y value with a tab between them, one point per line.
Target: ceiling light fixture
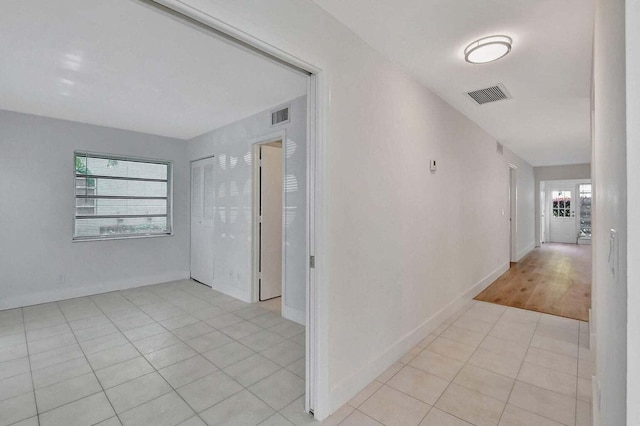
487	49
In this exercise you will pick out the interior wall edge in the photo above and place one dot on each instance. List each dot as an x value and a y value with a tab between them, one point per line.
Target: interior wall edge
525	252
75	292
294	314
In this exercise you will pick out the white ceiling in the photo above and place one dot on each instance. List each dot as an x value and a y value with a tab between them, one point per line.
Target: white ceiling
548	71
120	64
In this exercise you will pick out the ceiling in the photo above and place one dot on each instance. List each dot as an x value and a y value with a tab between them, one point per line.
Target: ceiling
121	64
548	71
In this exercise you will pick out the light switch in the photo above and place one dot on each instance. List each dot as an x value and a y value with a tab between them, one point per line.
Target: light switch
432	165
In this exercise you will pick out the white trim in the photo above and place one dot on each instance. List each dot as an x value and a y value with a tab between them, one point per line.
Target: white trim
293	314
351	385
522	253
73	292
232	291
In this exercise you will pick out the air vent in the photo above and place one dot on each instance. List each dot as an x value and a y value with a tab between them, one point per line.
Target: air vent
499	148
280	116
490	94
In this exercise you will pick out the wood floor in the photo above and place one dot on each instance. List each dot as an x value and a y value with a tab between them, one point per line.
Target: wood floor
554	279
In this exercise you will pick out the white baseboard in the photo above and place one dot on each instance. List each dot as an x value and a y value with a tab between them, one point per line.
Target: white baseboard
525	251
294	315
351	385
230	290
63	293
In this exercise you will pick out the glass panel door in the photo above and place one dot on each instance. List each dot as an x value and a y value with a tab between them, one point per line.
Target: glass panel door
585	211
561	204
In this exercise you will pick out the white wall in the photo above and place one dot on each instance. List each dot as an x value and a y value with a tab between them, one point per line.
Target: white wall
610	212
633	208
232	145
566	172
38	261
401	245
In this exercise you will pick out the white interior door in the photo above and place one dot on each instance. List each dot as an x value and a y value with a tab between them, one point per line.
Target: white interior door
562	218
513	212
271	222
543	217
202	216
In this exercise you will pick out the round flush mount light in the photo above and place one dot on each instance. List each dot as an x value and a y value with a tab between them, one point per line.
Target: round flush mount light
487	49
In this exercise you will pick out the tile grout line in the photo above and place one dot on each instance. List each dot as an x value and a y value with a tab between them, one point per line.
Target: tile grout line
520	368
137	307
575	422
452	324
154	370
199	354
467	361
407	364
33	386
545	389
87	360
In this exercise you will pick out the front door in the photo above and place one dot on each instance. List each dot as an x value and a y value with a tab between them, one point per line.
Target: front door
562	220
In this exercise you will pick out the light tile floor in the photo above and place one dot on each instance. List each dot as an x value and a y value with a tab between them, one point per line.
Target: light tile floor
168	354
486	365
179	353
273	305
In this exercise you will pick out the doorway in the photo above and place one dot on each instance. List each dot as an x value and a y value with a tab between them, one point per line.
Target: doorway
314	314
270	218
562	219
565	214
513	209
202	220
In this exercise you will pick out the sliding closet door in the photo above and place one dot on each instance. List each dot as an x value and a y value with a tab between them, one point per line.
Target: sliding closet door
202	215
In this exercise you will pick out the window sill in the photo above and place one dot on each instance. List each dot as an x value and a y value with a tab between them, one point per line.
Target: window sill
119	237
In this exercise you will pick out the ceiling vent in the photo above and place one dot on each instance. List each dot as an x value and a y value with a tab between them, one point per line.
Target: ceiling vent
490	94
280	116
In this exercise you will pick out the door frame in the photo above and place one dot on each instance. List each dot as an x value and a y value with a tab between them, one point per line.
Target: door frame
547	186
543	212
513	213
256	144
318	393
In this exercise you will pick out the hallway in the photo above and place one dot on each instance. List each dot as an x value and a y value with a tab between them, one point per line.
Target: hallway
553	279
486	365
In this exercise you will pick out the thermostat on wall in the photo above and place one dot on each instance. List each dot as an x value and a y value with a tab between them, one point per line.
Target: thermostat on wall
432	165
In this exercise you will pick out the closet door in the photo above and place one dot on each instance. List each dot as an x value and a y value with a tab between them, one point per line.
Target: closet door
202	218
562	222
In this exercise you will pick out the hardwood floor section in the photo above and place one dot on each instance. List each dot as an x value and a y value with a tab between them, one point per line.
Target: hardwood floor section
554	279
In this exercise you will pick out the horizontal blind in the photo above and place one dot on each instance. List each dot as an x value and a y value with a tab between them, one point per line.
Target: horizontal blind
120	196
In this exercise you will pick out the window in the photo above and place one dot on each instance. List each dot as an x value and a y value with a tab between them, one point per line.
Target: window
561	204
585	211
119	197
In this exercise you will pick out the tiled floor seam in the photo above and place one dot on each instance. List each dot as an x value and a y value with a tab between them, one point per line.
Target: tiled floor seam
466	362
154	370
111	320
33	386
198	353
521	364
578	373
90	366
